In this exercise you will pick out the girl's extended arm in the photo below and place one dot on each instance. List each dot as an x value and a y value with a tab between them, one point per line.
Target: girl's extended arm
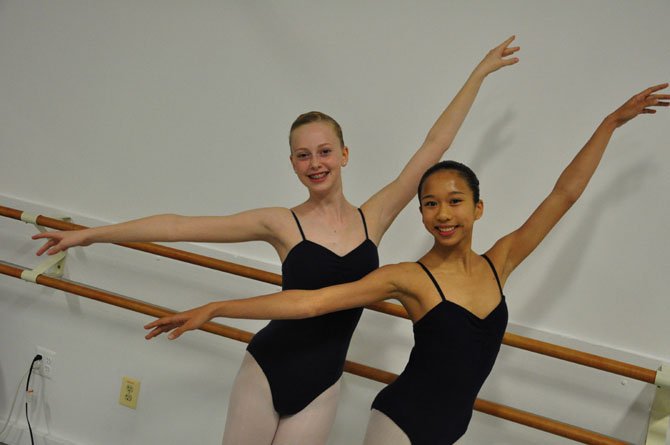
245	226
381	284
384	206
511	250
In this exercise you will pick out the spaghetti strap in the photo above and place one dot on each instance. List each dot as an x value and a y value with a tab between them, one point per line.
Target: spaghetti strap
299	226
432	278
365	226
494	272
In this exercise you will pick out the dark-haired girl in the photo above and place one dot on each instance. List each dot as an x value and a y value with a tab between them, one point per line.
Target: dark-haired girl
287	389
452	294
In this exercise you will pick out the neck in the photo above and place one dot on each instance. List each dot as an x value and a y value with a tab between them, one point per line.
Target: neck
332	208
328	200
460	255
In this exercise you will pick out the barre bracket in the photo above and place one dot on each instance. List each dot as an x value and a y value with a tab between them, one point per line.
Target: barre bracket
659	416
53	265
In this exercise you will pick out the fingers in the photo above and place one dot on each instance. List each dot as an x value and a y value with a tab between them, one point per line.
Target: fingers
655	88
159	322
159	329
177	333
44	248
166	324
52	244
510	51
506	43
649	92
153	333
504	50
512	61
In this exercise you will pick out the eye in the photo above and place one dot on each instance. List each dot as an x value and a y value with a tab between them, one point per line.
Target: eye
302	156
430	203
326	152
455	201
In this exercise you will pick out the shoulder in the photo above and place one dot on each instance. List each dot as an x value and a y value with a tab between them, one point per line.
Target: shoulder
498	255
276	221
403	274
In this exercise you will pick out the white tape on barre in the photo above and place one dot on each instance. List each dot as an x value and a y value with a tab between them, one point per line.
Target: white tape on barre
29	218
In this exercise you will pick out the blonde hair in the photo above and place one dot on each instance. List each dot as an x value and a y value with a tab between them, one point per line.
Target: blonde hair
316	116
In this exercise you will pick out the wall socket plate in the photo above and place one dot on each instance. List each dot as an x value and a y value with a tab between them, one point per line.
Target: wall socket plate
46	369
130	391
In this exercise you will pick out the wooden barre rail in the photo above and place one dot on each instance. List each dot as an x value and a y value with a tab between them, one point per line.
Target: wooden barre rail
513	340
495	409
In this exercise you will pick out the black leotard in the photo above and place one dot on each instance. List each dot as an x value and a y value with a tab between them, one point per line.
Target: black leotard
454	351
303	358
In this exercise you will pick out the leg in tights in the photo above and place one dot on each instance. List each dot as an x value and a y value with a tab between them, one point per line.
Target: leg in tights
383	431
312	425
251	419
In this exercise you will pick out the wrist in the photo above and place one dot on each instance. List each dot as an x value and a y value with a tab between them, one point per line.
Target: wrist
478	74
610	123
215	309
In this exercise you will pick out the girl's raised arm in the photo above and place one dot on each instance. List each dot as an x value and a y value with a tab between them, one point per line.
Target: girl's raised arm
382	208
380	284
512	249
252	225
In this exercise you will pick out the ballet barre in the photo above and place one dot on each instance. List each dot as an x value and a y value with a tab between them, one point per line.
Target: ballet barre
660	411
495	409
513	340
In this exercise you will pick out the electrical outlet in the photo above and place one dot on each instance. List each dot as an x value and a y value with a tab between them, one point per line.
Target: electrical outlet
46	369
130	391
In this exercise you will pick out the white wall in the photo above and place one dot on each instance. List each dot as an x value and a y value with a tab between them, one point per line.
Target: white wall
114	110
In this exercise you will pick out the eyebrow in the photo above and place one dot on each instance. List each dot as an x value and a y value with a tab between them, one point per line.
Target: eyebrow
325	144
450	193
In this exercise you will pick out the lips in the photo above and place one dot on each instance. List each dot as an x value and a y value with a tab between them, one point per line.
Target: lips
446	230
318	177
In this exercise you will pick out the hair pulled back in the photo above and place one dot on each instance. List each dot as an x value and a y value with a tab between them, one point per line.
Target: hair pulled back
463	170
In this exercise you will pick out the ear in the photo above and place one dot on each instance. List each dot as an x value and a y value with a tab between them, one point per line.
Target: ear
479	209
345	155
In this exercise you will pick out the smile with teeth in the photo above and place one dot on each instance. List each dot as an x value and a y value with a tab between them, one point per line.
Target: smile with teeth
317	176
446	230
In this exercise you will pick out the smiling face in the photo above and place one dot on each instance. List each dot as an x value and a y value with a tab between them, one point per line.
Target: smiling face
448	208
317	155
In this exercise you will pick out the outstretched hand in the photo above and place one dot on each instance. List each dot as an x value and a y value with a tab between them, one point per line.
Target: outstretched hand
59	241
180	323
498	57
641	103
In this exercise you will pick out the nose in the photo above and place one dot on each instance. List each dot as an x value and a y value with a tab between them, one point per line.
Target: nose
314	162
444	213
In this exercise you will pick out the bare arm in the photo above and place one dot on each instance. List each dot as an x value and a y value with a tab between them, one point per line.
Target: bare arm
512	249
384	206
245	226
381	284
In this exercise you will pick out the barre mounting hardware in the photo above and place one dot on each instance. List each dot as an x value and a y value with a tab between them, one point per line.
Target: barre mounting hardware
659	416
54	265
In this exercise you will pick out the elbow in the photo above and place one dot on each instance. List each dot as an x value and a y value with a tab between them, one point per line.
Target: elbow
176	226
297	305
310	309
568	195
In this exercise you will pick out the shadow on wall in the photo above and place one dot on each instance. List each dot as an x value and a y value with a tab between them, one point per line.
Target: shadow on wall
494	142
641	404
568	260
